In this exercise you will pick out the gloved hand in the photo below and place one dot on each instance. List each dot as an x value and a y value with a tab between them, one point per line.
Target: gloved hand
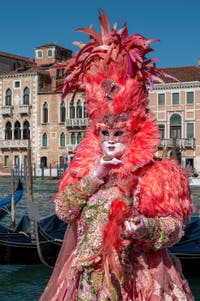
104	165
135	226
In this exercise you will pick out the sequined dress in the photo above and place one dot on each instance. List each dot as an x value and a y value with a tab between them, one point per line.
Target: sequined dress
149	272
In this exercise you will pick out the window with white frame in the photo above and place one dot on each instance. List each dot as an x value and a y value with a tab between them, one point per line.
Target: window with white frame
79	137
8	97
175	98
17	84
39	54
190	98
17	130
44	140
62	112
72	110
62	139
85	111
190	130
17	161
73	138
26	96
79	109
8	131
175	126
26	130
50	53
161	99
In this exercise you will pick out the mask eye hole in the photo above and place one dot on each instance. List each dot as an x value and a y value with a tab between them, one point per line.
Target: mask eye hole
105	133
118	133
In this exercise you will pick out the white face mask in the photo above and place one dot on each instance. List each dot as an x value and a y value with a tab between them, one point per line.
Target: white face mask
114	149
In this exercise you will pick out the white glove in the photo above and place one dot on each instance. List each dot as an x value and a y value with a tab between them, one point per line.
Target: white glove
135	226
104	165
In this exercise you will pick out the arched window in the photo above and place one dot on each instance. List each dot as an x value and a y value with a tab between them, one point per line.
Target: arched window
175	126
17	130
8	99
26	96
73	138
45	112
79	137
85	111
175	120
72	110
26	130
8	131
79	109
62	112
44	140
49	53
17	161
39	54
62	139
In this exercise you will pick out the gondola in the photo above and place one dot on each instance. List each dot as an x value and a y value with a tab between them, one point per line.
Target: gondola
188	248
35	242
5	203
32	242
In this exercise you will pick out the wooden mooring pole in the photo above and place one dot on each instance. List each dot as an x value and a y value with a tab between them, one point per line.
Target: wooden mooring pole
33	210
29	173
12	199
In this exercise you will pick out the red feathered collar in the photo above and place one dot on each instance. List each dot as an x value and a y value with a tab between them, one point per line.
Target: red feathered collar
140	152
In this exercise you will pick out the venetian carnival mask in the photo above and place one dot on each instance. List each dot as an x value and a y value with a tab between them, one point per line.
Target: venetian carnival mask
114	142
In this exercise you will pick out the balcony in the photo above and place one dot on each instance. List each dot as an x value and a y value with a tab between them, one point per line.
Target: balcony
6	111
13	144
76	122
24	109
182	143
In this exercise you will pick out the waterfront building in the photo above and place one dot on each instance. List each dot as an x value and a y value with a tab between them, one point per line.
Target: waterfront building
176	105
31	109
10	62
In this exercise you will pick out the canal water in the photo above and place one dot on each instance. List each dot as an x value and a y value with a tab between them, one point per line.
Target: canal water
26	282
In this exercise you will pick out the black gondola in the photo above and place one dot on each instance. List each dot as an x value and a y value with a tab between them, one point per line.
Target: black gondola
188	248
39	242
32	242
5	203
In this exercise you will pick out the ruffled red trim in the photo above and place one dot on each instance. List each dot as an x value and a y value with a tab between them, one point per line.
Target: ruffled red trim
164	190
139	153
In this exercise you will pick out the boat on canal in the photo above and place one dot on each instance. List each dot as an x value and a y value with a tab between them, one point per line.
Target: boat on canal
32	242
6	202
188	248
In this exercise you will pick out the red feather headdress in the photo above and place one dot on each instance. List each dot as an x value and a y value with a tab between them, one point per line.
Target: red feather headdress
113	71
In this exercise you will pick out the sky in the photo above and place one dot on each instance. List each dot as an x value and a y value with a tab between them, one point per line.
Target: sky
25	25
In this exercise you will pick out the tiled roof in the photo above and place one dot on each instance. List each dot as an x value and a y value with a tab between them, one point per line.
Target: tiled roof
14	56
24	71
183	74
50	45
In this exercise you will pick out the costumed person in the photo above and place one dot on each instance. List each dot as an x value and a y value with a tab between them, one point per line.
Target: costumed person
124	207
